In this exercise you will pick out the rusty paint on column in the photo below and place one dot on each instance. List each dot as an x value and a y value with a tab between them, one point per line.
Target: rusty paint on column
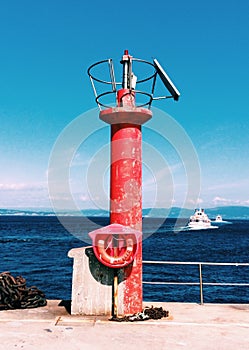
126	201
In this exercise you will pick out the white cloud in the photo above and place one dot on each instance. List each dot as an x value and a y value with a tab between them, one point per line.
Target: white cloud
84	198
195	201
229	185
22	187
23	195
227	201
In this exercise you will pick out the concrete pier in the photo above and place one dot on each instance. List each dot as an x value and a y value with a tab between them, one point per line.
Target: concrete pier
189	326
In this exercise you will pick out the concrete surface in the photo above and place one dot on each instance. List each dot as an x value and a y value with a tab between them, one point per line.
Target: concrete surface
189	326
91	284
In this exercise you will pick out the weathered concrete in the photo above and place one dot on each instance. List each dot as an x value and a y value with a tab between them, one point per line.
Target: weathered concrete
189	326
91	284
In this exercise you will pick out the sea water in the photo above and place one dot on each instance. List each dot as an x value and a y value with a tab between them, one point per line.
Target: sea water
36	248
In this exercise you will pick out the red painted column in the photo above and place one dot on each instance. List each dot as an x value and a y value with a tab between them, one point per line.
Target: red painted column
126	202
126	175
126	192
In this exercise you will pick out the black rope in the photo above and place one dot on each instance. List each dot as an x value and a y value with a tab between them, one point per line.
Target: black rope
15	295
154	313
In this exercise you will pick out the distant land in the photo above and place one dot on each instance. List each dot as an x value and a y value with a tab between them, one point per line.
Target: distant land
228	212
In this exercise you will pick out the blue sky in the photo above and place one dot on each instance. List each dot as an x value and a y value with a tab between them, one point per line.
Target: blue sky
46	48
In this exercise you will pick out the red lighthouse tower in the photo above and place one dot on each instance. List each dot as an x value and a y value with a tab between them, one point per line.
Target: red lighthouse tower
126	119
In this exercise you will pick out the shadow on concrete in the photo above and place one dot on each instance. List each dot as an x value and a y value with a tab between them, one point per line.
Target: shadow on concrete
66	304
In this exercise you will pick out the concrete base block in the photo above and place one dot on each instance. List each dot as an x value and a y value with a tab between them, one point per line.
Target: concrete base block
92	284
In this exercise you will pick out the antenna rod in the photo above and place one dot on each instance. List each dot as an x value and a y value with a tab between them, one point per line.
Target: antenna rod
125	62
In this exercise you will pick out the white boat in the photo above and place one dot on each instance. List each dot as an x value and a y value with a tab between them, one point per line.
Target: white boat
200	221
218	218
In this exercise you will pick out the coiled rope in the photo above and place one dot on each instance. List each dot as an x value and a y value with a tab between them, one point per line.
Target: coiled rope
15	295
